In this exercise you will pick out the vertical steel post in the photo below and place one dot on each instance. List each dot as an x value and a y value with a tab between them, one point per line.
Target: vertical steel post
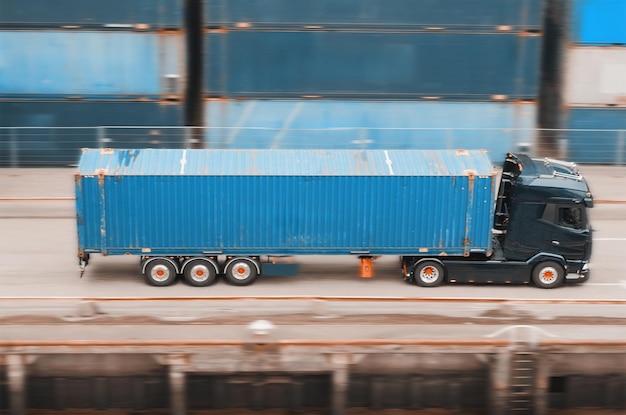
101	136
13	149
499	377
177	390
340	378
542	384
188	137
450	139
551	84
194	40
16	376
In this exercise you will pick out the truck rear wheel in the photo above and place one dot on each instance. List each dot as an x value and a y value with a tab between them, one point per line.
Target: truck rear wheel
159	272
548	274
429	274
241	271
200	272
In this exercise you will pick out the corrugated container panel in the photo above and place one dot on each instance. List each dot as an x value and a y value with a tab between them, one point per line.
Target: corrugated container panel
412	66
171	162
497	127
400	202
489	15
598	135
118	65
110	14
37	133
27	113
596	75
599	22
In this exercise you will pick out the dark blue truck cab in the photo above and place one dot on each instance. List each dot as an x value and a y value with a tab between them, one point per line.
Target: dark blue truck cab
541	231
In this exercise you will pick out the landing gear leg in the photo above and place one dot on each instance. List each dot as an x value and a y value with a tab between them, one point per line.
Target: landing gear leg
82	263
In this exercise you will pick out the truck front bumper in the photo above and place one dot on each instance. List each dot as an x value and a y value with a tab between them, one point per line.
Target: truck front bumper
578	271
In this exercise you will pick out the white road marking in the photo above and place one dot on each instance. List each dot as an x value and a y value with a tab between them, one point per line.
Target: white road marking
609	239
621	283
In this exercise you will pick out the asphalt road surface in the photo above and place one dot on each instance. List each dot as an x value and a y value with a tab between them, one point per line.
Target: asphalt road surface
38	254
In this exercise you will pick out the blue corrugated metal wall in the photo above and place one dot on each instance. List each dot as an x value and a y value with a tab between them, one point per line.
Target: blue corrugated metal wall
497	127
38	140
598	136
69	64
599	22
484	15
595	108
456	66
104	65
110	14
357	51
60	113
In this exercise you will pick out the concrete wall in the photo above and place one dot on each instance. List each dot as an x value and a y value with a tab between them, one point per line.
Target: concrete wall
490	377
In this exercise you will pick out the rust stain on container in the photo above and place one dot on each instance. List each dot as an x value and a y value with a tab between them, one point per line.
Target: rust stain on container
531	33
169	31
219	30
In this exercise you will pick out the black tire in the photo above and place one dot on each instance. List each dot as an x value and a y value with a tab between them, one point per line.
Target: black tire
241	271
548	274
429	274
159	272
200	272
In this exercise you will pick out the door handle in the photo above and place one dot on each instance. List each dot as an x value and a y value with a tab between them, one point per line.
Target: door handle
556	243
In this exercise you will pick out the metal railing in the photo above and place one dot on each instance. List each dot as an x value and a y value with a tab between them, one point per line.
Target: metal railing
61	146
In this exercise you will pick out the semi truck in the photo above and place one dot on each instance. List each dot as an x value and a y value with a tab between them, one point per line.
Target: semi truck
449	215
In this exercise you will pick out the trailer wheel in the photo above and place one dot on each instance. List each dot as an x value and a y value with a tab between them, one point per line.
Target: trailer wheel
548	274
200	272
159	272
428	274
241	271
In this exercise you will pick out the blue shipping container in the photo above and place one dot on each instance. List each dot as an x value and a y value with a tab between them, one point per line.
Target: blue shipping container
372	65
45	64
36	133
485	15
497	127
597	135
284	202
599	22
112	14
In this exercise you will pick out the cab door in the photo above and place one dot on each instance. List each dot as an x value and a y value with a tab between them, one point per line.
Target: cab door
570	231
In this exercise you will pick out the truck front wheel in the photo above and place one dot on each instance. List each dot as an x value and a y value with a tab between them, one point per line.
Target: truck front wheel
429	274
548	274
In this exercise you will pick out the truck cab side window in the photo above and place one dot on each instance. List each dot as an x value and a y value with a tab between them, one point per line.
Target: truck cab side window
549	213
571	217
